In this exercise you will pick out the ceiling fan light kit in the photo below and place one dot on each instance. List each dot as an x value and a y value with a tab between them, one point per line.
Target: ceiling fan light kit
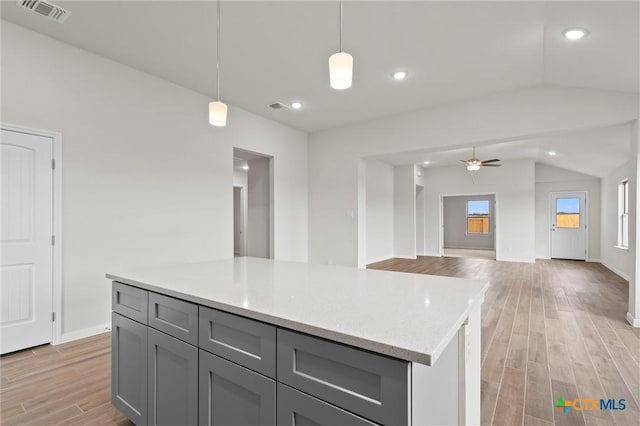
473	164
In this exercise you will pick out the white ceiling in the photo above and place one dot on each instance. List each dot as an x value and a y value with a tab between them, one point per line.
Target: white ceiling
595	152
278	50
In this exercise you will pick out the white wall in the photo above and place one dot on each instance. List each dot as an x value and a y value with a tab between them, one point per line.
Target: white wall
633	315
334	154
146	180
618	260
554	179
379	205
513	186
240	177
258	208
404	212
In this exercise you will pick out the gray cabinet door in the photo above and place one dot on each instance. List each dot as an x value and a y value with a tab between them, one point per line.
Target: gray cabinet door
299	409
173	381
233	395
129	368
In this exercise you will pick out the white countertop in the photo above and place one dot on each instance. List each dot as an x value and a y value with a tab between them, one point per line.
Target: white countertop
407	316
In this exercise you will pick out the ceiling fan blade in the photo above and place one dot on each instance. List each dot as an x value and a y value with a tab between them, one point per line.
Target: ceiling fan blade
491	165
491	161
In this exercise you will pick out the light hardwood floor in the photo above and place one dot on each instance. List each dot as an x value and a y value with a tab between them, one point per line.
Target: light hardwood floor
68	384
550	329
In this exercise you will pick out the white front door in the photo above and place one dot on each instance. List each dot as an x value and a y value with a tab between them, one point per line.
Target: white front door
568	226
26	259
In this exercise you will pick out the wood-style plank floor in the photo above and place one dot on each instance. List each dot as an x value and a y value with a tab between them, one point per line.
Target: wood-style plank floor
68	384
551	329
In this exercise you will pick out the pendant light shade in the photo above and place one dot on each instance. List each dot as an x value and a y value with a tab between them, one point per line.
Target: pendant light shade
340	70
218	114
217	108
340	65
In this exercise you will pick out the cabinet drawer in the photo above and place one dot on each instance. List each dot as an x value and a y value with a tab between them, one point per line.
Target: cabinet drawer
130	301
371	385
297	408
175	317
249	343
232	395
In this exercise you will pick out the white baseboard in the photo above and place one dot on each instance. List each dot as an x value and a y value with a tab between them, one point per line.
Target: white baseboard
615	271
378	259
81	334
405	257
543	258
517	260
633	321
594	260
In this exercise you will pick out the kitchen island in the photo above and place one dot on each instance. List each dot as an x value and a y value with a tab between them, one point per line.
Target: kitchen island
257	341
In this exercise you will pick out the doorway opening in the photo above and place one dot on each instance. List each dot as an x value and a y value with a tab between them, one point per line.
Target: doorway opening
252	204
569	225
468	226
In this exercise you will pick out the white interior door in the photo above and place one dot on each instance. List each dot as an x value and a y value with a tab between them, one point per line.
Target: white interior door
568	226
26	259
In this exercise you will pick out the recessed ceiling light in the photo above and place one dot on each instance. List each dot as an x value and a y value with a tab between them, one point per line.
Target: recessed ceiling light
552	153
425	163
245	167
400	75
575	33
296	105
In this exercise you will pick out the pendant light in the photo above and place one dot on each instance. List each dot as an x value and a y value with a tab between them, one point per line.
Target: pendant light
217	108
340	65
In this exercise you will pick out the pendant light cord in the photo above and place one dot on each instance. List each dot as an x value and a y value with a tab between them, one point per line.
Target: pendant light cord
218	57
341	25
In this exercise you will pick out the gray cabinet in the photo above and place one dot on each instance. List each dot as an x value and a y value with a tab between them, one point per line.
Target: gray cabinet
247	342
299	409
129	368
233	395
368	384
130	302
179	363
173	381
175	317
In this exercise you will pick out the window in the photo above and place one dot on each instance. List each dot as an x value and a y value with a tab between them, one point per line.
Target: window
568	213
623	214
477	216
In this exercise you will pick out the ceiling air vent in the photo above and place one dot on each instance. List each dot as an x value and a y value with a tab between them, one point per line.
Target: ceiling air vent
279	105
44	8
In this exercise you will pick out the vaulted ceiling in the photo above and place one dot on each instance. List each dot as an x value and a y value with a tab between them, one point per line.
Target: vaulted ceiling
277	50
594	152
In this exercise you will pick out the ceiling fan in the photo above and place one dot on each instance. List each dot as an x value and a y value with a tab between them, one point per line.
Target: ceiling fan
474	163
